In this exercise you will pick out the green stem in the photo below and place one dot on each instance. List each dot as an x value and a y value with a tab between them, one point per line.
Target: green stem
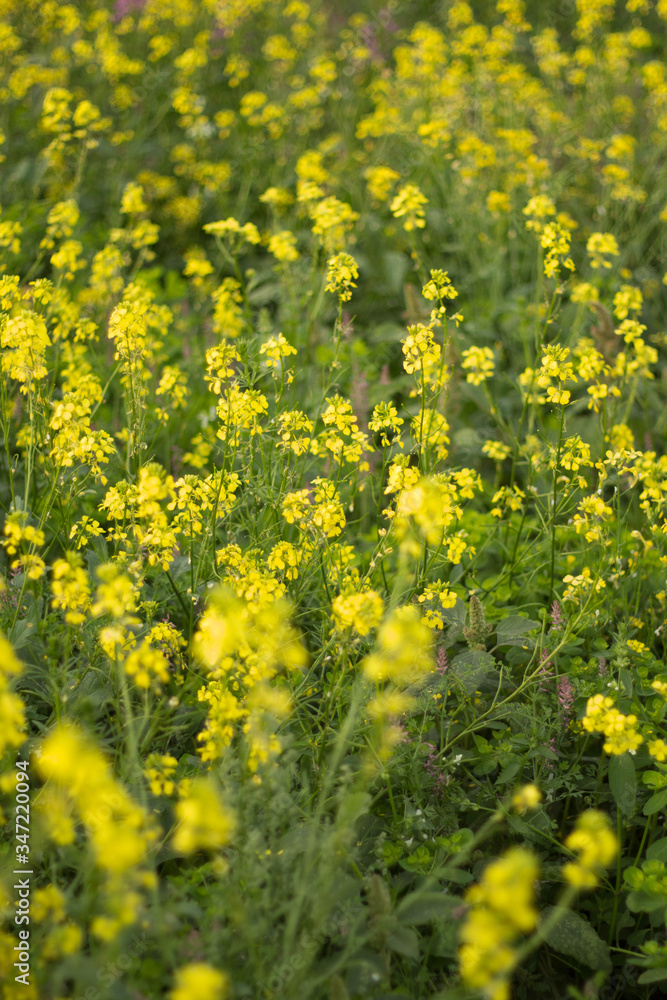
553	506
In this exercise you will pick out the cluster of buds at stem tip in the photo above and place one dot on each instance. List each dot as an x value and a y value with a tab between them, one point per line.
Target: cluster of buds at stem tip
477	630
556	616
545	672
565	695
442	660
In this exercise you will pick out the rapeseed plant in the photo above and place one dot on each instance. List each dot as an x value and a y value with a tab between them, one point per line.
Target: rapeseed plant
309	415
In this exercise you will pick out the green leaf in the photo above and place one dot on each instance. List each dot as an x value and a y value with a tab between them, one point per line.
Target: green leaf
658	850
457	875
456	842
391	853
656	803
456	615
509	771
354	805
471	668
645	902
404	941
23	632
527	830
653	976
574	936
423	907
626	681
623	782
654	779
513	627
487	764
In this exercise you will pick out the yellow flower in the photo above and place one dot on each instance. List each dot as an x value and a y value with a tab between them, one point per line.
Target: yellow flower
361	612
332	220
501	908
380	181
593	840
25	339
602	717
276	348
404	649
496	451
498	202
120	831
146	666
159	771
599	247
203	822
201	981
538	208
408	204
283	246
658	749
70	588
132	201
479	363
528	797
342	270
386	421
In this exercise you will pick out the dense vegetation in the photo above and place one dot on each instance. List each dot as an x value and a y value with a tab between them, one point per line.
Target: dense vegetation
333	565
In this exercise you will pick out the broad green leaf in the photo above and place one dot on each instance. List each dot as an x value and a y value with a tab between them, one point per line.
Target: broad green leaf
23	632
487	764
520	826
510	771
354	805
654	779
656	803
423	907
645	902
456	875
456	615
623	782
653	976
404	941
626	681
456	842
658	850
574	936
513	627
472	667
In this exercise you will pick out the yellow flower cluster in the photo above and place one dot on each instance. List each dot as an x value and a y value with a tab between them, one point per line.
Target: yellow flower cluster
203	822
200	980
243	648
556	368
618	729
501	908
21	535
71	588
479	364
12	709
121	834
341	272
404	650
321	517
361	612
429	507
595	843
